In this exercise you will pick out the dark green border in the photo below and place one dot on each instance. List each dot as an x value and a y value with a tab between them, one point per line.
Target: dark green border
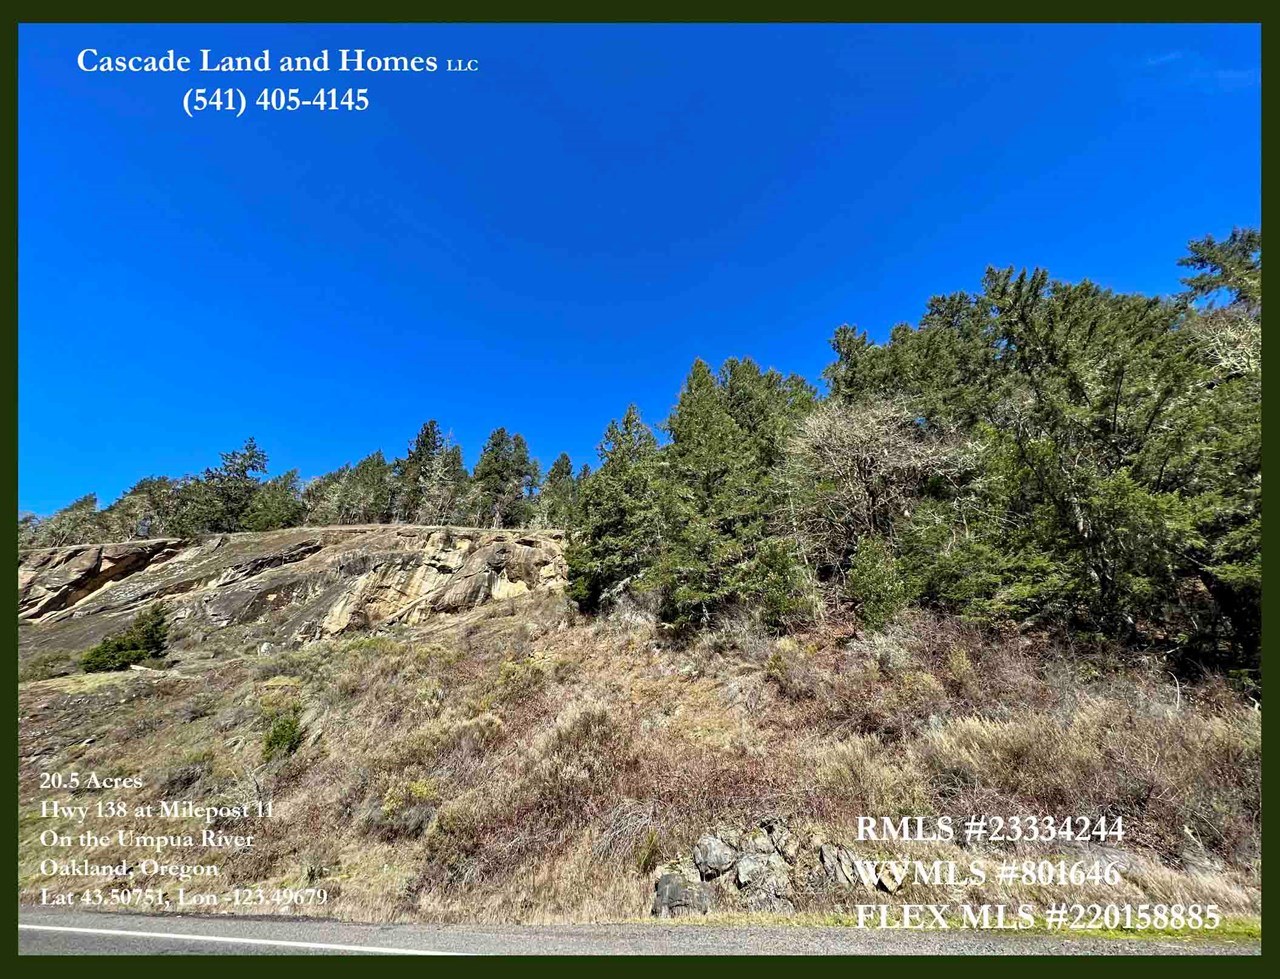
653	11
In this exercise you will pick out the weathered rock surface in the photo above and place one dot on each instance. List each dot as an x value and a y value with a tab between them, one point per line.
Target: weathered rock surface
674	895
713	856
766	868
282	586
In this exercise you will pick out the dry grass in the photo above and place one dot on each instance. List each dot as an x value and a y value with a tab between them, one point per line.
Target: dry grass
515	764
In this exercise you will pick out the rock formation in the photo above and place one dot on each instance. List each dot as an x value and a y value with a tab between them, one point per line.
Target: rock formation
283	586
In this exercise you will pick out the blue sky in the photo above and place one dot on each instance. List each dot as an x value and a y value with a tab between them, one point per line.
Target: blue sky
538	243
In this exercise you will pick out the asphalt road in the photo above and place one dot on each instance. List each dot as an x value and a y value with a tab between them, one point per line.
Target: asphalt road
49	931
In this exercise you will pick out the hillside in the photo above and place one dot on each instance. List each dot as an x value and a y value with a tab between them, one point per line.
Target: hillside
443	736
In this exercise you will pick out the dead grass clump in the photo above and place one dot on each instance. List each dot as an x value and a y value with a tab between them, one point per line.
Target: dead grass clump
188	775
862	775
1173	777
791	672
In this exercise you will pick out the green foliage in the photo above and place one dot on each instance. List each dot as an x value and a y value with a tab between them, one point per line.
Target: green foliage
217	501
721	551
430	482
1045	453
28	530
277	503
621	518
558	498
356	494
1233	266
503	483
284	737
875	584
145	638
648	853
78	522
1113	453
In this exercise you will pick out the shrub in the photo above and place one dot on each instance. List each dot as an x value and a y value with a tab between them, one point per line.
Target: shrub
143	640
795	680
519	679
284	736
580	764
874	583
405	810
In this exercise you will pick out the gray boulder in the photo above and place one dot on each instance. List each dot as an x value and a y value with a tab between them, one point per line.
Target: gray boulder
713	856
675	896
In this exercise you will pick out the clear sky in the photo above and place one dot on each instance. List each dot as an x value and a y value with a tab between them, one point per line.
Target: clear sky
537	243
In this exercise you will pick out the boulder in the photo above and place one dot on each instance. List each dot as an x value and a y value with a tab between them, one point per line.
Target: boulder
713	856
674	895
829	858
751	870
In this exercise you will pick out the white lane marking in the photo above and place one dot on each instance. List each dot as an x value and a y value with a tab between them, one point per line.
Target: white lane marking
236	941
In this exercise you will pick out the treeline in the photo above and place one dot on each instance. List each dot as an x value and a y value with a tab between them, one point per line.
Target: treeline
430	484
1040	453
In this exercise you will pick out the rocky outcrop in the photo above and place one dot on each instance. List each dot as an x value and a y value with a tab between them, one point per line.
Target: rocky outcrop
751	870
54	578
282	586
766	868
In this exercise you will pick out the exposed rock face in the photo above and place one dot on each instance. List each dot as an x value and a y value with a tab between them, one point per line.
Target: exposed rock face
282	586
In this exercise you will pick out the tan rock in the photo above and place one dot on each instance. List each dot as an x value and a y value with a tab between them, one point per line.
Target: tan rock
287	585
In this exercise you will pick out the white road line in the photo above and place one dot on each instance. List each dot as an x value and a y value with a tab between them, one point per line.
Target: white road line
123	932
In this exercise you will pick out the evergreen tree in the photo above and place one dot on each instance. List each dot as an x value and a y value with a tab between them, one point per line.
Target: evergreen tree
413	473
370	490
1111	474
726	434
622	509
276	504
503	481
216	502
557	501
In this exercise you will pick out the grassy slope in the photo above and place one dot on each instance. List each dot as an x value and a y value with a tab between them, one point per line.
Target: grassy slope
515	764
